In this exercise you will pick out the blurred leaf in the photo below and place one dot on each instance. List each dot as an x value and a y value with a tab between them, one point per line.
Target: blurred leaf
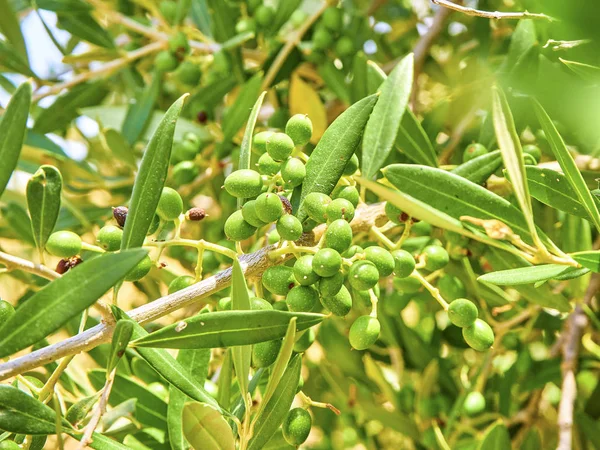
201	16
21	413
358	85
206	429
567	164
150	179
246	147
271	417
383	124
84	26
589	427
479	169
52	307
532	440
17	218
237	113
305	100
414	142
43	202
529	275
339	142
120	339
12	132
335	80
11	29
227	329
66	107
140	111
496	437
11	61
208	96
64	6
118	145
585	71
283	12
590	259
240	301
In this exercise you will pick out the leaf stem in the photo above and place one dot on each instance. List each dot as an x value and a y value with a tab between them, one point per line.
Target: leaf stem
435	293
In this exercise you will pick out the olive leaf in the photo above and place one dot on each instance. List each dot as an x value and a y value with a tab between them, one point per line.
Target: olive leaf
567	164
121	337
140	111
414	142
66	6
496	437
12	61
585	71
54	305
275	410
339	142
383	124
21	413
589	259
10	27
43	202
227	329
12	132
240	300
530	275
237	114
206	429
479	169
150	179
246	147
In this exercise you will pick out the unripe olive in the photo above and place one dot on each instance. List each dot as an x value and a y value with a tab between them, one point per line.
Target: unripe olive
184	172
267	165
473	151
289	227
279	118
351	165
244	183
259	141
165	61
236	228
364	332
178	44
421	229
462	312
349	193
344	47
383	260
329	286
353	250
168	10
249	214
280	146
474	403
109	238
451	287
264	15
293	172
260	304
316	205
245	26
534	151
298	18
302	299
303	271
268	207
322	39
338	235
296	426
184	151
189	73
394	214
299	128
363	275
265	353
280	306
326	262
333	19
340	208
273	237
479	335
170	205
436	257
224	304
304	341
404	263
340	304
63	244
140	270
278	279
180	283
6	311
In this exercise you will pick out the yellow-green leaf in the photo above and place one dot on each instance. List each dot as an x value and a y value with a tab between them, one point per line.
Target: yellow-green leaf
206	429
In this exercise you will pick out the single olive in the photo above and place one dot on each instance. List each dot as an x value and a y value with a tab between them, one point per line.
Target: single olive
364	332
351	165
259	141
322	39
407	285
353	250
473	151
260	304
170	205
109	238
189	73
236	228
244	183
6	311
168	10
180	283
299	128
363	275
224	304
436	257
178	44
303	271
534	151
344	47
185	172
63	244
247	25
326	262
268	207
340	208
165	61
265	353
249	214
140	270
278	279
329	286
451	287
264	16
340	304
293	172
267	165
404	263
302	299
383	260
280	146
296	426
316	205
474	403
349	193
462	312
479	335
338	235
333	19
289	227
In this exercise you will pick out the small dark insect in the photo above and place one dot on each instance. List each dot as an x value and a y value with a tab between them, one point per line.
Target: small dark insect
120	214
195	214
202	117
68	263
287	206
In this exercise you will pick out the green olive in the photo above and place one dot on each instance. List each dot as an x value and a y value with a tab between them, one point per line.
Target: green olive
280	146
333	19
260	304
404	263
330	286
305	340
302	299
364	332
462	312
249	214
265	353
436	257
244	183
264	16
180	283
479	335
224	304
344	47
394	214
64	244
236	228
473	151
140	270
351	165
6	311
383	260
189	73
299	128
170	205
316	206
322	39
178	44
109	238
349	193
289	227
326	262
338	235
303	271
165	61
296	426
474	403
363	275
267	165
451	287
278	279
340	304
259	141
269	207
340	208
293	172
185	172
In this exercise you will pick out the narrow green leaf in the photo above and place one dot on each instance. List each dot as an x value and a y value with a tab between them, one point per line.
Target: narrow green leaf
21	413
168	367
18	220
240	300
553	189
201	16
10	27
383	124
585	71
567	164
151	179
84	26
375	76
43	202
227	329
358	85
527	275
337	145
589	427
120	340
206	429
335	80
414	142
496	438
225	377
283	13
78	411
512	155
11	61
237	114
140	111
118	145
272	415
589	259
53	306
150	410
66	6
479	169
12	132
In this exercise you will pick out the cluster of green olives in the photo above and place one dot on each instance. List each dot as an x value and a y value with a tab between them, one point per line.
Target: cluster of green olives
176	58
328	36
183	156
